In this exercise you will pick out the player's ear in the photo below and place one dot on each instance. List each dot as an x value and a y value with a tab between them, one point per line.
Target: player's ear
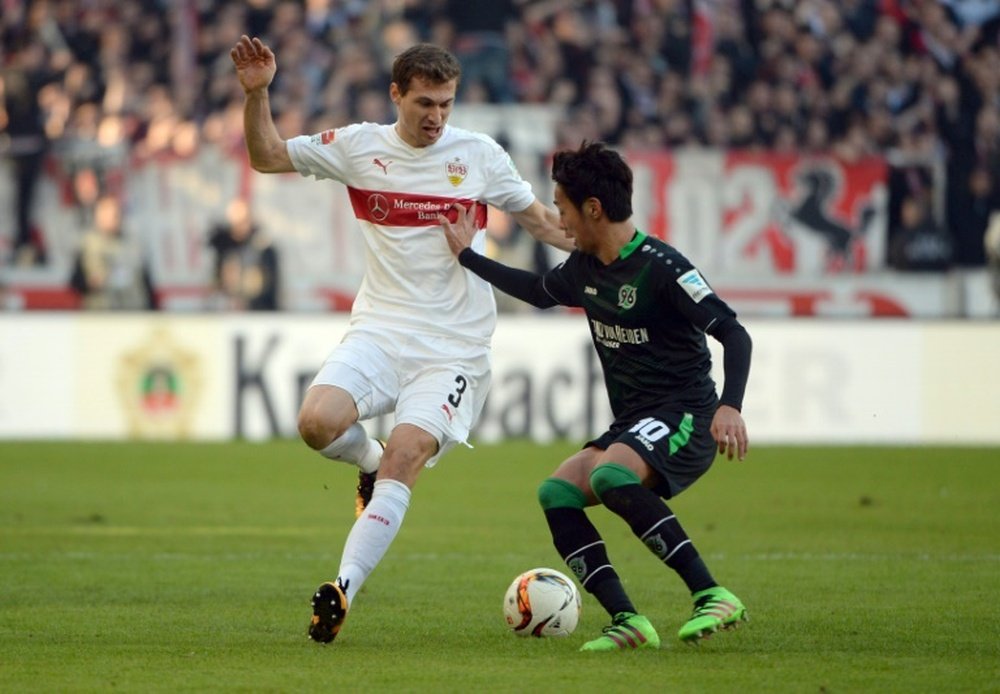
593	208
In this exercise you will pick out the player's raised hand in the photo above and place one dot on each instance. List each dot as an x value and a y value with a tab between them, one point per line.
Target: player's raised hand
730	432
459	233
255	64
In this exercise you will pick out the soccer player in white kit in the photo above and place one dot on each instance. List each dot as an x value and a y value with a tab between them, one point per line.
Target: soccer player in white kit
419	336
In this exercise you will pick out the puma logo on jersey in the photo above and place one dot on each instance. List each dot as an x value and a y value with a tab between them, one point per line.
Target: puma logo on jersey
590	290
385	167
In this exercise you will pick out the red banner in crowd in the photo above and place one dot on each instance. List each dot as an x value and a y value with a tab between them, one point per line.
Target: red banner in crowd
776	235
764	214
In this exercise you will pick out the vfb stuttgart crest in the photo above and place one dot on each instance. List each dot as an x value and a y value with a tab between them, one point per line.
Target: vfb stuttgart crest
457	171
626	296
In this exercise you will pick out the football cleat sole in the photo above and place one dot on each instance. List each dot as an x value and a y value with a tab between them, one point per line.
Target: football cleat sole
329	606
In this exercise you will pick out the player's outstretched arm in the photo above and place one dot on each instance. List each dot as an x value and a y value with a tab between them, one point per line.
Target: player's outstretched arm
255	68
520	284
543	223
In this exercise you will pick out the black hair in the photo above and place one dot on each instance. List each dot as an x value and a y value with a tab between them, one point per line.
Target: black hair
595	171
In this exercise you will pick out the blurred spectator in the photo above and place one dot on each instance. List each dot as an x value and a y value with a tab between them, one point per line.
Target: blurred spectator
23	140
92	155
480	44
110	273
976	200
246	264
920	243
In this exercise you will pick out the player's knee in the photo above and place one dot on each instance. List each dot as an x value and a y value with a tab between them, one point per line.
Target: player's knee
316	429
609	476
326	413
313	432
557	493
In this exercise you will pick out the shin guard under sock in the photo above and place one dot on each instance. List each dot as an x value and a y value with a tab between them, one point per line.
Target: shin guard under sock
652	521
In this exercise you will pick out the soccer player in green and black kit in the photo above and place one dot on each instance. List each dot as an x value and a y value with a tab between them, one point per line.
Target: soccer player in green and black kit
649	309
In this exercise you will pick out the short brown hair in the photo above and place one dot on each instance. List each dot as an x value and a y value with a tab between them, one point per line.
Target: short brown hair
427	61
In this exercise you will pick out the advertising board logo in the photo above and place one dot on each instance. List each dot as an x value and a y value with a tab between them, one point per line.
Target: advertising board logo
159	383
378	207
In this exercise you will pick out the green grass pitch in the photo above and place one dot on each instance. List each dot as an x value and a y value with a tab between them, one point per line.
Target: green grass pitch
163	567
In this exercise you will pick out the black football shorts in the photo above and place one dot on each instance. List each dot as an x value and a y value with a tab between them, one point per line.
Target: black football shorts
678	445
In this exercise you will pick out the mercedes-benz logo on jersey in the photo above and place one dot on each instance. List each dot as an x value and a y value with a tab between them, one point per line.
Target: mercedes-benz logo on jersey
626	296
378	206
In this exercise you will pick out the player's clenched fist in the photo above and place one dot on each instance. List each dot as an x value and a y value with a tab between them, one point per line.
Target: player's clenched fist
255	65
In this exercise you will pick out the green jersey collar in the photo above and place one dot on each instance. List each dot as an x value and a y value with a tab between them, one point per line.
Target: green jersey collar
630	247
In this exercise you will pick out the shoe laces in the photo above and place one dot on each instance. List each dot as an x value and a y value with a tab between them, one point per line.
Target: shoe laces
618	620
704	603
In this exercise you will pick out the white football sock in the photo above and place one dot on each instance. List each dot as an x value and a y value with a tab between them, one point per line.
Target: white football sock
355	446
372	534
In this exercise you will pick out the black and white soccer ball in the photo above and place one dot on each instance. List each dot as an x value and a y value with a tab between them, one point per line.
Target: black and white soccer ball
542	602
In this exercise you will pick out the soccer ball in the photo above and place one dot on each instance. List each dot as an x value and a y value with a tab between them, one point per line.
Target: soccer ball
542	602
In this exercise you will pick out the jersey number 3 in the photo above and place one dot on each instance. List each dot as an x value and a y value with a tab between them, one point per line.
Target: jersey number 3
456	398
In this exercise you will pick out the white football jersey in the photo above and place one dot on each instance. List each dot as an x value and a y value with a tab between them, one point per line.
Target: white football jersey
412	279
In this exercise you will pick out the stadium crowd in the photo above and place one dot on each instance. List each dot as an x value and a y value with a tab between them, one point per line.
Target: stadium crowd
94	82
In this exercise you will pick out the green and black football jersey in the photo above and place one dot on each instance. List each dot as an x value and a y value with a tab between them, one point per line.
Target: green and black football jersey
648	311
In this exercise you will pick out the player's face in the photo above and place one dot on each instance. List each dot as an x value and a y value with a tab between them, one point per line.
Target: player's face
423	110
574	222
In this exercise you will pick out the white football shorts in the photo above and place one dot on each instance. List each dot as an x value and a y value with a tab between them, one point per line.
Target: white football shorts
436	383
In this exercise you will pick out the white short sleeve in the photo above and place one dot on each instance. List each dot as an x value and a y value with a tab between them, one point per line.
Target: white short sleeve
507	190
323	155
